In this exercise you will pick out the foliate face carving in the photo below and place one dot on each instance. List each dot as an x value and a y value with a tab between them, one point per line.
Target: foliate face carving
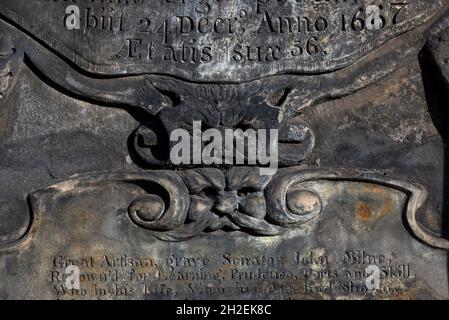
224	107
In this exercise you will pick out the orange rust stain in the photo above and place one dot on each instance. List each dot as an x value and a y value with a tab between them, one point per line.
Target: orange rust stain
363	212
366	214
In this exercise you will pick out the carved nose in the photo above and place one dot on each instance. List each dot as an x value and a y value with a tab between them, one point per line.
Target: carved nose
226	202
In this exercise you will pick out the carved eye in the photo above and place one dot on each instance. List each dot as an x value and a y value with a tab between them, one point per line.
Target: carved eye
279	97
175	99
243	192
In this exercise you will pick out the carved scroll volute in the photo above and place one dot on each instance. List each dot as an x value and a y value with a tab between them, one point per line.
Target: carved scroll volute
291	206
160	203
291	201
164	211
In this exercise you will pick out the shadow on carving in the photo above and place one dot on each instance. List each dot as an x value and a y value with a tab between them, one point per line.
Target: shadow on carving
437	95
20	224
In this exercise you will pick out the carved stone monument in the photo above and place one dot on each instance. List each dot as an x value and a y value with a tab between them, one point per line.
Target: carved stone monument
94	206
